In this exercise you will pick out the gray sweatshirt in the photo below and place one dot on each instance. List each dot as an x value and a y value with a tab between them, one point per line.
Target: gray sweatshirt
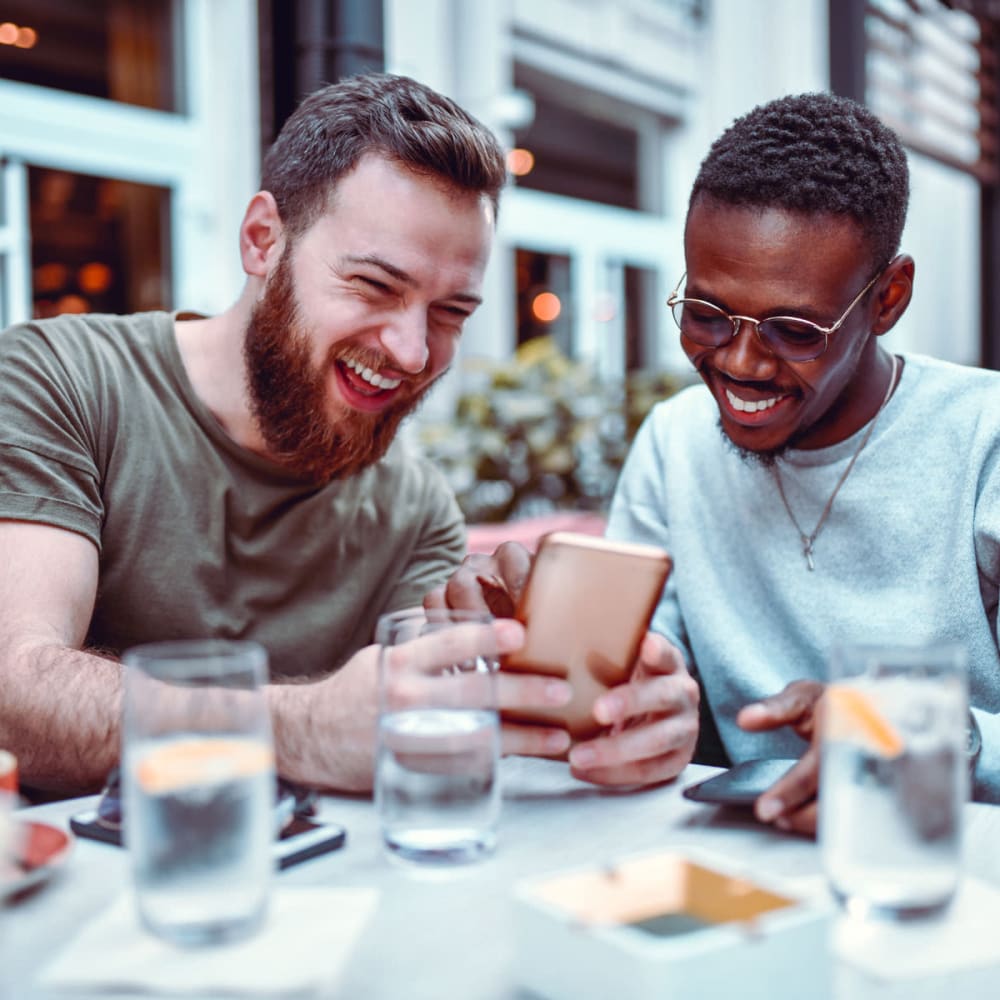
910	552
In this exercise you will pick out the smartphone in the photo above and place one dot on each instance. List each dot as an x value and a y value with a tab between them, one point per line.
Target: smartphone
300	840
742	784
586	606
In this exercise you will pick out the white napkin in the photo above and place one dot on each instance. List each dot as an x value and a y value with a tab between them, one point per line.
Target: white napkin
963	937
307	939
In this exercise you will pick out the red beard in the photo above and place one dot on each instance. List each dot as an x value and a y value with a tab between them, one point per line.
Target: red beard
289	395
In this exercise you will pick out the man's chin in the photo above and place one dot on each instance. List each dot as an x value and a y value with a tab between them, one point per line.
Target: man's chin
348	443
766	458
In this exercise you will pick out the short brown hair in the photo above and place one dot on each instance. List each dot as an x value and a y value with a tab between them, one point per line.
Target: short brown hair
393	116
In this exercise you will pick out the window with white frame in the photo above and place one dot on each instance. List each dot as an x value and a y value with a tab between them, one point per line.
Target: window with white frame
130	144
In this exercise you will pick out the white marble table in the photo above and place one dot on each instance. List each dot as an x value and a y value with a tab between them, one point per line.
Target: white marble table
452	937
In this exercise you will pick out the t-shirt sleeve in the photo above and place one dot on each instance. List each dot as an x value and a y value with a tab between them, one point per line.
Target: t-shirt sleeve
48	465
439	548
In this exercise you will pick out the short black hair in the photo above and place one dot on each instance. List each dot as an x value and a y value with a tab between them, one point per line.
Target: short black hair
816	154
392	116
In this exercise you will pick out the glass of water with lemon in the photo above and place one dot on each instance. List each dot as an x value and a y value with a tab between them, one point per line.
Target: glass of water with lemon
198	781
894	777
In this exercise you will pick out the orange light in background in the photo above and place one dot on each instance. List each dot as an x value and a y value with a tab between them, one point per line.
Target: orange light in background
50	277
545	307
8	33
72	304
520	161
26	38
94	278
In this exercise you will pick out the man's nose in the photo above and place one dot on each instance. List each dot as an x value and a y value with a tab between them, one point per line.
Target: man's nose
746	355
404	339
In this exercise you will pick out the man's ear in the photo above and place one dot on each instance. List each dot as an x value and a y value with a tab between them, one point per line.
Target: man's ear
262	235
893	293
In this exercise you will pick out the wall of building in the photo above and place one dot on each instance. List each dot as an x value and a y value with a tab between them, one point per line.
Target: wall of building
690	83
676	82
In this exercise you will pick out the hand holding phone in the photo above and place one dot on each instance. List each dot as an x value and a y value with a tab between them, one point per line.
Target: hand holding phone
586	607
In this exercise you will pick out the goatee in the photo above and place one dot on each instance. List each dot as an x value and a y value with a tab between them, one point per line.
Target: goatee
289	395
766	459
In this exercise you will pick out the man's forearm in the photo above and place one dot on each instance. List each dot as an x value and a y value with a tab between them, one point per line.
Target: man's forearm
59	713
324	737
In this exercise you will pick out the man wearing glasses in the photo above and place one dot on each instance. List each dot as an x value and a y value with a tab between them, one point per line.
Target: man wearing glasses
818	487
848	496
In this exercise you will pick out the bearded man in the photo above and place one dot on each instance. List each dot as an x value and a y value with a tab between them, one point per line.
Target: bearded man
170	476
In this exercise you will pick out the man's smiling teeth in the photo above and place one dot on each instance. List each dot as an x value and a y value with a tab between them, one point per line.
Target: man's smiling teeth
373	378
750	405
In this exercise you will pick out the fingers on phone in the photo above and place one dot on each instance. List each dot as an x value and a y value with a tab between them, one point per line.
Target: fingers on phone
665	694
659	656
435	598
531	691
793	705
790	803
632	748
800	821
463	589
534	741
462	644
650	771
513	563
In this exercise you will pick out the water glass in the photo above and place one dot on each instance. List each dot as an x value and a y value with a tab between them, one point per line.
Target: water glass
436	785
894	777
198	784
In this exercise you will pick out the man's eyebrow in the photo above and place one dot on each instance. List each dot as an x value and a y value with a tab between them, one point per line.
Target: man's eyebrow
394	272
405	277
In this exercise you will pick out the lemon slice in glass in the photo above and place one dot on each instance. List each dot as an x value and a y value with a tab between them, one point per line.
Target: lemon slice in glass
194	761
851	715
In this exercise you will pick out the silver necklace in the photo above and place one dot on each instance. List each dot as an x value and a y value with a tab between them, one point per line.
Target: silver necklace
809	540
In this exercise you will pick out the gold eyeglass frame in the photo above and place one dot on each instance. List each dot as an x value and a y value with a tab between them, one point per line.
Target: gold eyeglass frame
737	320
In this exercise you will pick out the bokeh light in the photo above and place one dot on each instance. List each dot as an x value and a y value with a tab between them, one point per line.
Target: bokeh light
94	277
520	161
545	307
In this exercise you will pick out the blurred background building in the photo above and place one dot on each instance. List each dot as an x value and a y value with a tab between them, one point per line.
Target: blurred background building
131	134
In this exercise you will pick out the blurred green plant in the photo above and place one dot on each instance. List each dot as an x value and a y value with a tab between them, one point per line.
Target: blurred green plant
540	433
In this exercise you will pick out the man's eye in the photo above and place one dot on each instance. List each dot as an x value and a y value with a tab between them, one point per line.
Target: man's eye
451	315
373	285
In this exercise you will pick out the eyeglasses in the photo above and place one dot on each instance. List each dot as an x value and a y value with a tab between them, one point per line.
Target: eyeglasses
787	337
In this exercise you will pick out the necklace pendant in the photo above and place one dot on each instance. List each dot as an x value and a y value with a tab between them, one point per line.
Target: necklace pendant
807	551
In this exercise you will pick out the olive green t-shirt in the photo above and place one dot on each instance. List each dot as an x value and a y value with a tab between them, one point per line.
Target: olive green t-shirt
101	433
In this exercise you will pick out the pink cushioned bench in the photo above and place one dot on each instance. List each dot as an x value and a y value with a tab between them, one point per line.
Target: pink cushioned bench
527	531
